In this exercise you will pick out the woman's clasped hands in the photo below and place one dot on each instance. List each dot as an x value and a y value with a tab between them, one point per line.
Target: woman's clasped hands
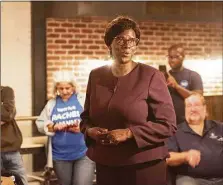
113	137
63	127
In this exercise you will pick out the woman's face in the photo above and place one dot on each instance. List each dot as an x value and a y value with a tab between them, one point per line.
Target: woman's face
124	46
65	90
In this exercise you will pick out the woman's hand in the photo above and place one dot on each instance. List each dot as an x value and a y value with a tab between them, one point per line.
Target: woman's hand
60	127
73	128
2	122
50	127
97	133
119	135
64	127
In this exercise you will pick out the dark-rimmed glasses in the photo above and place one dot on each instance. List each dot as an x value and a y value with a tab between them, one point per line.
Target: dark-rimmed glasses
121	41
175	57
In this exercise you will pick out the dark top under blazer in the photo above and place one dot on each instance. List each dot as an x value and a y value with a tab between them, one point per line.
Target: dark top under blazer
139	101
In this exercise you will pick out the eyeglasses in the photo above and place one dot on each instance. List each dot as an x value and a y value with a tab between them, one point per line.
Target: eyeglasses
194	106
130	42
174	57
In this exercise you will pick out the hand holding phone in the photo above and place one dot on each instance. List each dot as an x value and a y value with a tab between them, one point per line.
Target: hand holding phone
162	68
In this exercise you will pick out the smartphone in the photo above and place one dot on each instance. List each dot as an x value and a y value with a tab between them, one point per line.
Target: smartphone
162	68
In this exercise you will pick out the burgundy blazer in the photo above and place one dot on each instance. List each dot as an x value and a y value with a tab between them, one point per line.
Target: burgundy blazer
139	101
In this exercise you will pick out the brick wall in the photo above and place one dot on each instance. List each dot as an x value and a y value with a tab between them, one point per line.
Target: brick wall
77	44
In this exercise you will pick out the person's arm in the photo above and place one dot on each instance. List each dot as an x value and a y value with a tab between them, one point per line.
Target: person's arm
8	110
186	93
164	123
176	158
196	85
44	119
90	131
85	123
190	157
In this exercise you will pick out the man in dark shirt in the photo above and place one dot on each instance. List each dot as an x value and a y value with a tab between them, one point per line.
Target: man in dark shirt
196	150
181	81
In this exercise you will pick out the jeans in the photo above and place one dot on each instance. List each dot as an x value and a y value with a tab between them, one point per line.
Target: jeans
77	172
186	180
12	162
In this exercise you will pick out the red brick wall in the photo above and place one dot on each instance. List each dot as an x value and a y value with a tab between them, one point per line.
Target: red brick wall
77	44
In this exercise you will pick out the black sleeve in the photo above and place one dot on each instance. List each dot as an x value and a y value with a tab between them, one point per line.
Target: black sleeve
172	144
196	82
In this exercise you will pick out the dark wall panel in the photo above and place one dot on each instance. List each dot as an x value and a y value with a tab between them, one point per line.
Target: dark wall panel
38	56
38	45
215	107
209	11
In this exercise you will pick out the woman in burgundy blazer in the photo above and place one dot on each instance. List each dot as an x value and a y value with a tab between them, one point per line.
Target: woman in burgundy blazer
128	114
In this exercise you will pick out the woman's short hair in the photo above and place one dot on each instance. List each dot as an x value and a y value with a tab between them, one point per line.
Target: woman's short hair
117	26
64	76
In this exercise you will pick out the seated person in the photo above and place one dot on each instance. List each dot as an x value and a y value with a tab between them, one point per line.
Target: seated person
196	150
